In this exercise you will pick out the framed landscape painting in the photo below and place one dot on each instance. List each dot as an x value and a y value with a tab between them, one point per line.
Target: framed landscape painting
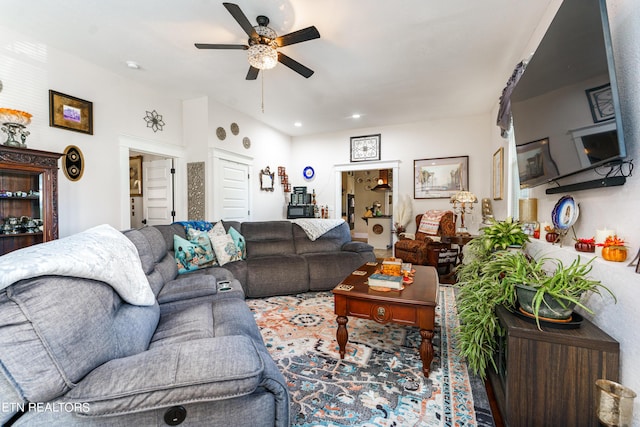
71	113
440	178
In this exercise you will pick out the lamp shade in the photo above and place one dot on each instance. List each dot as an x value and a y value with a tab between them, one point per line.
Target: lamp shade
528	210
464	197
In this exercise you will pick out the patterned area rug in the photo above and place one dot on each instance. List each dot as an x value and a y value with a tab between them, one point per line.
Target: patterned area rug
380	381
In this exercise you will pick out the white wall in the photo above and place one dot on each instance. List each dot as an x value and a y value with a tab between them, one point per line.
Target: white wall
29	68
464	136
614	207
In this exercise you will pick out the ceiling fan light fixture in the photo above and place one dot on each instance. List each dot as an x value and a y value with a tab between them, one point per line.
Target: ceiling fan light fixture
262	57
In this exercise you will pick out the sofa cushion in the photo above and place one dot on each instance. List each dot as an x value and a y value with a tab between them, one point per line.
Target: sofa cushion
276	275
188	286
54	330
330	241
199	370
327	269
268	238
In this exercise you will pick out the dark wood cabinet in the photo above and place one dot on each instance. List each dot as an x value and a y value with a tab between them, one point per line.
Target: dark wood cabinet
28	197
547	377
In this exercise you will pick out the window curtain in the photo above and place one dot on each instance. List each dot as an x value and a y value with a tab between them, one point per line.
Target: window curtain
504	112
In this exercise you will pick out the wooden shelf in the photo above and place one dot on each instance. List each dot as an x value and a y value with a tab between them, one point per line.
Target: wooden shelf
549	376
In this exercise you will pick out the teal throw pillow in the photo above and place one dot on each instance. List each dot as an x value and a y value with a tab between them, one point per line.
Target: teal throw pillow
193	254
241	244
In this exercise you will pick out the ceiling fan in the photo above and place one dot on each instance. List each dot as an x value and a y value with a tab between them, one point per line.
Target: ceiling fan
263	44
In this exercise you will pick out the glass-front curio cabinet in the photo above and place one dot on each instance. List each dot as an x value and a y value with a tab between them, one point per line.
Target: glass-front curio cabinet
28	197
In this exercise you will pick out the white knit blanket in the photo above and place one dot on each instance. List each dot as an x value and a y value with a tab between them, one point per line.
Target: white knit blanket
100	253
316	227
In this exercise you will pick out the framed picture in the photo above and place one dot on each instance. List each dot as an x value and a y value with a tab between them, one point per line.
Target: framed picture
498	174
135	176
601	103
535	164
71	113
365	148
441	177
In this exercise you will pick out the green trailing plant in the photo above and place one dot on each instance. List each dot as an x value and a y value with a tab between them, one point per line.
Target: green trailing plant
502	234
490	279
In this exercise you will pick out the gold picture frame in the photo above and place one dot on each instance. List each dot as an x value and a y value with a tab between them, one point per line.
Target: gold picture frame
71	113
135	176
498	174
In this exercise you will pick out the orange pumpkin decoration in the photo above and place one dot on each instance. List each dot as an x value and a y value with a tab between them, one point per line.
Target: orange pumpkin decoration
613	249
614	253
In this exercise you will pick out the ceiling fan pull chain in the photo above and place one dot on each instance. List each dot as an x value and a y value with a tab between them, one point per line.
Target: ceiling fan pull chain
262	81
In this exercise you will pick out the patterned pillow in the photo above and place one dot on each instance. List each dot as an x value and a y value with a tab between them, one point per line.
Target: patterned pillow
217	230
193	254
225	249
238	239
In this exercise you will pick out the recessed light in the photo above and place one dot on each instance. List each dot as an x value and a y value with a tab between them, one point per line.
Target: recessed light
297	124
355	116
133	65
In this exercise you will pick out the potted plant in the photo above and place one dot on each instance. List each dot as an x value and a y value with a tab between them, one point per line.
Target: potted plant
500	235
486	282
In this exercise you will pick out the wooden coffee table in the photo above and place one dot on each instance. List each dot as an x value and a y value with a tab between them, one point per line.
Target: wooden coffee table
415	305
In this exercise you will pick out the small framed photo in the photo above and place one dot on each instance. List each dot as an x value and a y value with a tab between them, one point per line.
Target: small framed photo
364	148
498	174
440	178
601	103
71	113
135	176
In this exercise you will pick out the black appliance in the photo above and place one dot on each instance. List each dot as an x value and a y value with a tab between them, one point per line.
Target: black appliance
300	211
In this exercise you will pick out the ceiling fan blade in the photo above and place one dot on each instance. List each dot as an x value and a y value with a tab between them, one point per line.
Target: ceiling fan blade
221	46
303	35
294	65
252	74
241	18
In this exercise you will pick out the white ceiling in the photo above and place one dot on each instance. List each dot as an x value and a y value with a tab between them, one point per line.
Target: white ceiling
391	61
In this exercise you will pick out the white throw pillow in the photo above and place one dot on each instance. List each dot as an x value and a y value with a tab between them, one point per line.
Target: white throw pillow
225	249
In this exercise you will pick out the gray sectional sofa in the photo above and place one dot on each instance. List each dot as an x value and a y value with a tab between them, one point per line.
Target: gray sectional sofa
74	350
282	259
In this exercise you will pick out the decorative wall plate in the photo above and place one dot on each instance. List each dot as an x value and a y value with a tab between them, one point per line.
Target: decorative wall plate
73	163
235	129
308	172
565	213
246	142
221	133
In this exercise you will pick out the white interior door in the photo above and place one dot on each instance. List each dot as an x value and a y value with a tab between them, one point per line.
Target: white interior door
157	192
235	190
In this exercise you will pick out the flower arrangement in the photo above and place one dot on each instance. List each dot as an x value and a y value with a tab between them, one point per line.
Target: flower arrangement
613	249
7	115
552	235
612	242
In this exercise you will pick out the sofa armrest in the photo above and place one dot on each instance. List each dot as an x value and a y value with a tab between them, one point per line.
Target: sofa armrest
202	370
357	247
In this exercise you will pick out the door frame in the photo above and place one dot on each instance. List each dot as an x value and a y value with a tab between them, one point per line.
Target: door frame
146	146
216	156
394	165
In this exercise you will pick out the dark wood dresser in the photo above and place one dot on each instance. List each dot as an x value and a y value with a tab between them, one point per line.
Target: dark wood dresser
547	377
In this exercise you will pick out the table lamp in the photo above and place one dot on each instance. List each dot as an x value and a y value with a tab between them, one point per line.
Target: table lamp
462	202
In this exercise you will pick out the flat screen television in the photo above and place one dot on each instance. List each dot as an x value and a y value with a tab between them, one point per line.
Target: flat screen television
565	107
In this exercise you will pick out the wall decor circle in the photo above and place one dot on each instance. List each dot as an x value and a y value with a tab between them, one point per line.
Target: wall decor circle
246	142
235	129
308	172
221	133
73	163
377	228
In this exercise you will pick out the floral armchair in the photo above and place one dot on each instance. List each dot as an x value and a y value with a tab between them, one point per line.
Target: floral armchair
425	249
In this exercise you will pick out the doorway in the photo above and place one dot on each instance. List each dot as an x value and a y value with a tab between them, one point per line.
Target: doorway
160	200
347	179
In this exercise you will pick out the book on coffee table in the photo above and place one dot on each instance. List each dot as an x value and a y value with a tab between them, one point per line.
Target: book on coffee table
385	281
